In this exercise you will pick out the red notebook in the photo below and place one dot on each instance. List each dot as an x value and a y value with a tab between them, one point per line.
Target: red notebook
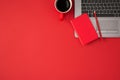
84	28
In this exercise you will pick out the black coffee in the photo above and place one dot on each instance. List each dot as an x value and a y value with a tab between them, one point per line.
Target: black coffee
63	5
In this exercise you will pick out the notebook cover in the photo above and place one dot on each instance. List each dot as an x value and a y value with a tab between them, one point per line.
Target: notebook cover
84	28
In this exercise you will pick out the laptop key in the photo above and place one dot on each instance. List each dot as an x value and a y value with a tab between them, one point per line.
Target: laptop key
119	11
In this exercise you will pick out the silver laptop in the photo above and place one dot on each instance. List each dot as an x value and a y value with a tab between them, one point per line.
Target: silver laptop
108	13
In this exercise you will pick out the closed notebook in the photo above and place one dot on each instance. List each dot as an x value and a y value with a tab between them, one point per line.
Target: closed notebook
85	29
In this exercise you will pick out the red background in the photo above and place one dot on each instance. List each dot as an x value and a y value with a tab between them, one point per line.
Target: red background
36	45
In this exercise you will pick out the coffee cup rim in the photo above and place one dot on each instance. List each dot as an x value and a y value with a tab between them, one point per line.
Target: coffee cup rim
64	11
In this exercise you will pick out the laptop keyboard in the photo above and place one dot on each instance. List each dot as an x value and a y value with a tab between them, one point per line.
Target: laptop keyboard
103	8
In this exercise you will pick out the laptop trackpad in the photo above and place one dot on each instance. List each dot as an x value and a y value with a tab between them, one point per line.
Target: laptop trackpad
109	25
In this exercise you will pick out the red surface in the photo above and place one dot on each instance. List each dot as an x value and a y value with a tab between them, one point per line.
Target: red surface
36	45
84	29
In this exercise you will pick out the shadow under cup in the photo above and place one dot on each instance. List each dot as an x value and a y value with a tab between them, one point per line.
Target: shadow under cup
63	6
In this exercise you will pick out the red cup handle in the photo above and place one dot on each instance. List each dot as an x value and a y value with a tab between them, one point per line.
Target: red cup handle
61	16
